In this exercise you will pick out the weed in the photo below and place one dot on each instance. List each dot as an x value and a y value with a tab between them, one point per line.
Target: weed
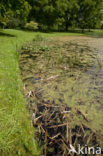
60	58
39	37
99	64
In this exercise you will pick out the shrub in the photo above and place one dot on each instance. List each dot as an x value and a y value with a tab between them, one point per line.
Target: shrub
31	26
14	23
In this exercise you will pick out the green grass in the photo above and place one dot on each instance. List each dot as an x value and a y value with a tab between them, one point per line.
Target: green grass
16	132
95	33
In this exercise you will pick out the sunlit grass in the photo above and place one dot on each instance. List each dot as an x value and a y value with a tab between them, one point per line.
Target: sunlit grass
16	132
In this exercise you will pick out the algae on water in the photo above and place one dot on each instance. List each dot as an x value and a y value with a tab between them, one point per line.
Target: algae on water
67	74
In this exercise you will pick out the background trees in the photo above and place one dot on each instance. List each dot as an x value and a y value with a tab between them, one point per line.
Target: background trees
89	15
14	13
51	14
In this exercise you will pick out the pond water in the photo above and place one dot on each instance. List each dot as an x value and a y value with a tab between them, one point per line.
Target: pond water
67	73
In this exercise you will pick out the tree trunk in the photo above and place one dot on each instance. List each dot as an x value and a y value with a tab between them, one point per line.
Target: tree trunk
82	30
3	27
89	30
66	26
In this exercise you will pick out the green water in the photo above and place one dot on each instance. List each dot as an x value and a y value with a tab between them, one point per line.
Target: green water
65	74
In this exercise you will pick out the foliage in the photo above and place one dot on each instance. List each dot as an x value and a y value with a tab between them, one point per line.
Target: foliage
84	14
67	13
14	22
89	15
11	11
32	25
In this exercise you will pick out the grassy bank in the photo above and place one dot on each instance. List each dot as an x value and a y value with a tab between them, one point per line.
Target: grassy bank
16	133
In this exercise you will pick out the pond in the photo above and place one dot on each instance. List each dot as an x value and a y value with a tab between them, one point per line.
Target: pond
66	74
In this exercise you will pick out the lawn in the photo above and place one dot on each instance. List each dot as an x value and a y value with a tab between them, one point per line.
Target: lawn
15	127
16	132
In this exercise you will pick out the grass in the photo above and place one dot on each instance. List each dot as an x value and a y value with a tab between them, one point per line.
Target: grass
95	33
16	132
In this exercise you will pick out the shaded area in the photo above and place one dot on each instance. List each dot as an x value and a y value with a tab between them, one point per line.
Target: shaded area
6	34
95	33
78	32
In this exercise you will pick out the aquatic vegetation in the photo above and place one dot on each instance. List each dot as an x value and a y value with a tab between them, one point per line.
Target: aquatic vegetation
99	64
62	74
60	58
39	38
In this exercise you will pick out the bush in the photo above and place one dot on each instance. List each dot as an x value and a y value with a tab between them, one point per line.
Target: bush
43	27
31	26
14	23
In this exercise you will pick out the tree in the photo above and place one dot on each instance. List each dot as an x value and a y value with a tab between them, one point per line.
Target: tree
62	12
43	11
9	10
89	15
85	14
67	10
54	12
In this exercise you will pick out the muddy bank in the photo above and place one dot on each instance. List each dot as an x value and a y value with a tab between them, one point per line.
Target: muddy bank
63	87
